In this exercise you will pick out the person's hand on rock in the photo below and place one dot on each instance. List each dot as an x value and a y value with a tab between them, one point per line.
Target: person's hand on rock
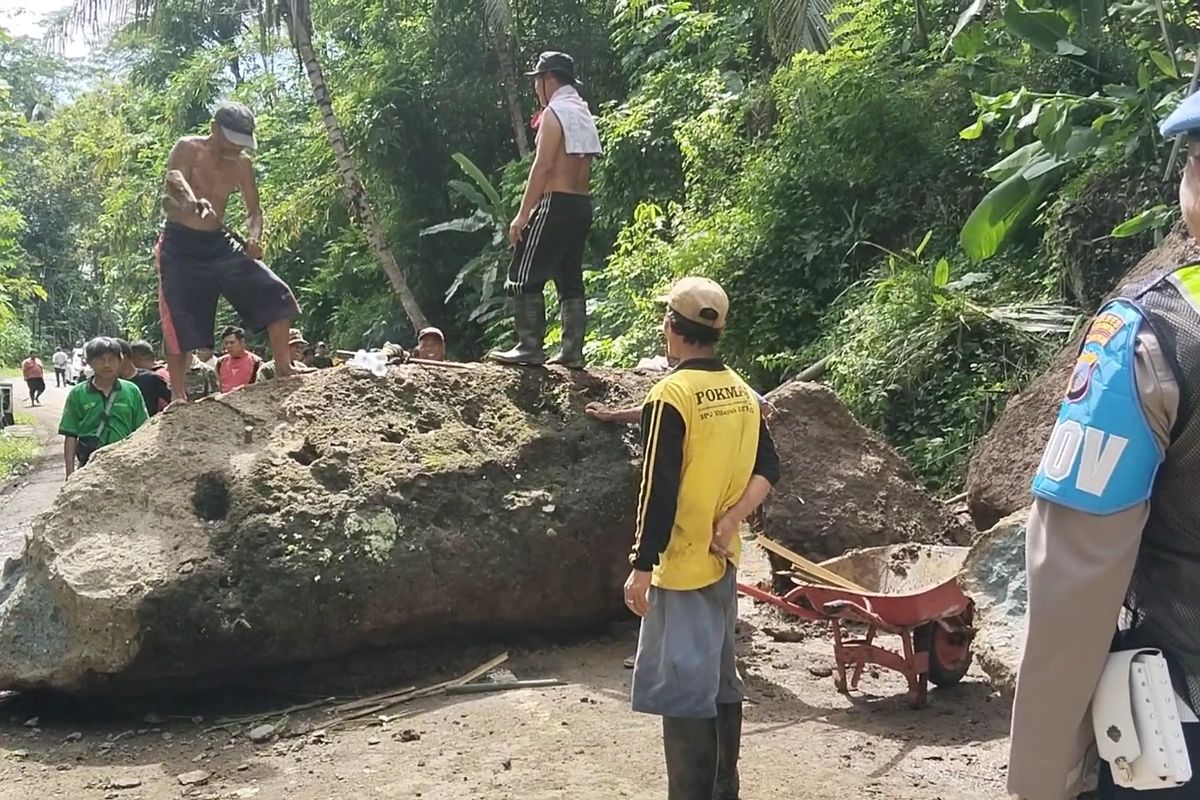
599	411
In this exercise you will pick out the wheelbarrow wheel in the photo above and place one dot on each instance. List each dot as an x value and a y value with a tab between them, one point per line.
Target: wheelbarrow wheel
949	653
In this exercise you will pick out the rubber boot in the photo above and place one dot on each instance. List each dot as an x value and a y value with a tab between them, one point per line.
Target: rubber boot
729	747
691	750
529	319
574	328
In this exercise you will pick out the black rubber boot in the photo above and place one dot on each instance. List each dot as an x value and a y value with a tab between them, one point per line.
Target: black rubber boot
529	319
729	747
574	329
691	749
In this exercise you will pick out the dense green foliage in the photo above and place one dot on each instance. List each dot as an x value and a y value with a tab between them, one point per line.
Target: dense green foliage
929	202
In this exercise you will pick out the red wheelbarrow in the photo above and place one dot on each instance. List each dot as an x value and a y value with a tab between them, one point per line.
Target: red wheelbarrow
911	591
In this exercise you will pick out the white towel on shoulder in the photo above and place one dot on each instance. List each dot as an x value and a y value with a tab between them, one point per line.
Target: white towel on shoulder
579	127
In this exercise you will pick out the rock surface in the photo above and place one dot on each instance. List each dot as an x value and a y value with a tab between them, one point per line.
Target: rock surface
843	487
1004	461
430	503
994	577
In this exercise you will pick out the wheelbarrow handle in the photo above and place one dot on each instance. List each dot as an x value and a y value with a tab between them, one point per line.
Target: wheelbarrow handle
848	609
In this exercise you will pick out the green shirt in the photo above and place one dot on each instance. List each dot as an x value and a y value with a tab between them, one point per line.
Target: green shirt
83	412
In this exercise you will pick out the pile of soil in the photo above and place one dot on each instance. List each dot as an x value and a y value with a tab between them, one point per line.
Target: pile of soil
843	486
1005	460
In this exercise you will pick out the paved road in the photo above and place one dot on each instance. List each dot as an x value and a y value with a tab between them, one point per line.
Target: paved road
29	495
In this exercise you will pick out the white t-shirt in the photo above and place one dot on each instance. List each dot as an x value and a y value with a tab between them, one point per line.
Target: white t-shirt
60	359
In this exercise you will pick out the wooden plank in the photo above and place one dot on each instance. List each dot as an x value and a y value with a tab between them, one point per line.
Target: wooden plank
481	688
810	568
481	670
371	706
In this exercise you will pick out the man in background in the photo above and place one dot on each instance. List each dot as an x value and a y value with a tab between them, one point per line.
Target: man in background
155	391
78	362
60	360
238	366
34	375
321	358
206	357
296	344
709	462
102	410
201	379
549	232
431	345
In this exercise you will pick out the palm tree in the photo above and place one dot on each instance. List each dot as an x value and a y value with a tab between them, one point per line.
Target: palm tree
498	19
794	25
296	15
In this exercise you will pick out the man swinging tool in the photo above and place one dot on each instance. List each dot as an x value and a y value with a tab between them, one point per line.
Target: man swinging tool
1114	534
199	260
549	231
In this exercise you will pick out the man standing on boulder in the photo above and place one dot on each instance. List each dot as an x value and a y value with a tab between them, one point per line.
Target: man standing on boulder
199	261
549	232
709	462
1115	526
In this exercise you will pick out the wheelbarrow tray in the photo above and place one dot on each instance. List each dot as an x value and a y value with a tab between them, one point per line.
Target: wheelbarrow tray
911	591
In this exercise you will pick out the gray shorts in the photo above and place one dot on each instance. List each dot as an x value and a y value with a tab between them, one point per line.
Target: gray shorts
685	661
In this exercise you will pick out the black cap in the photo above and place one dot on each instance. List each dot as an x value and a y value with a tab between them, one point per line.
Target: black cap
237	124
554	61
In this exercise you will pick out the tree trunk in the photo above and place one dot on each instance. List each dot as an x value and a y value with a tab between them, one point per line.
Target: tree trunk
352	185
508	86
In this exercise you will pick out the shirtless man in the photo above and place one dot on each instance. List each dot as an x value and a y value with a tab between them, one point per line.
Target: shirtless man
199	261
549	232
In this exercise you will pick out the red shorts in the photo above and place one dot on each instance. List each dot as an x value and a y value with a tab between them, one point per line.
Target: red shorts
195	269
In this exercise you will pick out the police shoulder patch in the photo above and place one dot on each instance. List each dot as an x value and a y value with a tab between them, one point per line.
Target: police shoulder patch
1102	455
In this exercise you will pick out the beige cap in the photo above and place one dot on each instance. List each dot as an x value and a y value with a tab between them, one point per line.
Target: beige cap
700	300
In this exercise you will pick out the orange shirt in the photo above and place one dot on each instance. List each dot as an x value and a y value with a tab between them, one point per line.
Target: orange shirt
236	372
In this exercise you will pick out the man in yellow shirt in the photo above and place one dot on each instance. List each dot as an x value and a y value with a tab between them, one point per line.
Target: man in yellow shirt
709	462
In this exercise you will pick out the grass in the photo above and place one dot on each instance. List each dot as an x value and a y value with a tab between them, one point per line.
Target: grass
7	373
17	452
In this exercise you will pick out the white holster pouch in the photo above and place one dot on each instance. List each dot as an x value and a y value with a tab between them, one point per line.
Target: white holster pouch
1138	721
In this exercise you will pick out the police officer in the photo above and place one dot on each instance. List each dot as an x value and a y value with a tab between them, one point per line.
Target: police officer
1114	533
709	462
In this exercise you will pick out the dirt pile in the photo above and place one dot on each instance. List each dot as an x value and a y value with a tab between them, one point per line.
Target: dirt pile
356	511
1006	458
843	486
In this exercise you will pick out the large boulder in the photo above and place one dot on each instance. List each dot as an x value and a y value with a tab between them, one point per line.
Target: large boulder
843	486
305	518
994	577
1004	461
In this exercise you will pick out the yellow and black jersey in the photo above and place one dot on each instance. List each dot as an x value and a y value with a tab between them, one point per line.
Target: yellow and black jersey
704	438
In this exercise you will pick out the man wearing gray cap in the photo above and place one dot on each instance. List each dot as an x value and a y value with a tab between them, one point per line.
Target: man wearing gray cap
550	230
200	260
1113	547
